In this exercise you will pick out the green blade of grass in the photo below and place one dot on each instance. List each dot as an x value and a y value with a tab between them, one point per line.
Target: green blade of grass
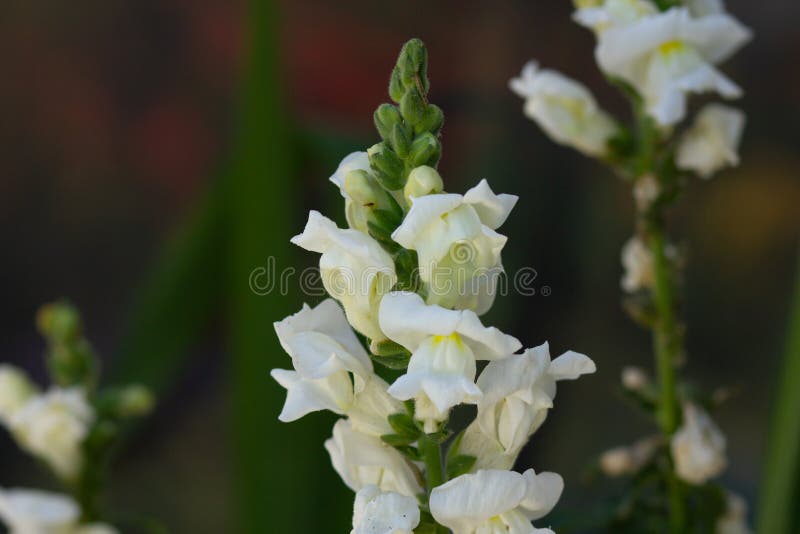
779	488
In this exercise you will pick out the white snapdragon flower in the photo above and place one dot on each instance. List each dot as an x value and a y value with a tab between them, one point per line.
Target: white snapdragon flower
626	460
37	512
701	8
637	262
564	109
671	54
377	512
15	390
602	15
356	161
53	426
734	519
355	270
457	246
362	460
495	501
712	142
698	447
517	395
324	351
444	345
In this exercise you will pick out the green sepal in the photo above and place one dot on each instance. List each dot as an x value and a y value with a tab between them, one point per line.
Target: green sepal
412	453
389	168
401	140
395	361
404	425
396	88
396	440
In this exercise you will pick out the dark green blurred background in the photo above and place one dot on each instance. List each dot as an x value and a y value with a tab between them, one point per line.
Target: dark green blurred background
128	144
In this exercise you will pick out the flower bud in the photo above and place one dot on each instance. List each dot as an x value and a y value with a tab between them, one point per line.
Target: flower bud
412	106
432	120
135	401
401	140
386	117
412	61
59	322
396	88
387	165
425	150
422	181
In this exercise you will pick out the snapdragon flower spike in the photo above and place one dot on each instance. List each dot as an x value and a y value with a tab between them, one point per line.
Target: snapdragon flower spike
668	55
564	109
377	512
355	270
457	246
444	345
362	460
496	501
518	392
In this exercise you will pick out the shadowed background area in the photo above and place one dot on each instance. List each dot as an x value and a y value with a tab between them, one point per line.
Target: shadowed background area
135	167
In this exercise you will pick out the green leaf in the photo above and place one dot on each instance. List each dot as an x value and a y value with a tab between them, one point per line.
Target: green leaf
397	361
396	440
459	464
404	425
412	453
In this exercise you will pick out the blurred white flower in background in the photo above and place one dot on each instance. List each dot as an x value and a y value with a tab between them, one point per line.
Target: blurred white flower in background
25	511
668	55
698	447
734	520
15	390
53	426
564	109
712	142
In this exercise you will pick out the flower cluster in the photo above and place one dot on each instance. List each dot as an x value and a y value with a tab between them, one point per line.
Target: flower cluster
70	427
657	53
410	277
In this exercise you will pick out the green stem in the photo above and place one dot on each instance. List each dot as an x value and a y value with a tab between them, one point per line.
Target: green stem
432	456
666	349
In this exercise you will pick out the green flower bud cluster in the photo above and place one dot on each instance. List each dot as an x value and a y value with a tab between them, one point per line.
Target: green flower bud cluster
70	358
410	127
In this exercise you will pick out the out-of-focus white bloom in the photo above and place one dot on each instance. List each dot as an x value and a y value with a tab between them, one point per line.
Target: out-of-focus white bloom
355	270
444	346
634	378
734	520
53	426
362	460
377	512
494	501
637	262
645	191
25	511
564	109
422	181
628	460
698	447
517	394
701	8
15	390
356	161
324	351
671	54
457	246
713	140
605	14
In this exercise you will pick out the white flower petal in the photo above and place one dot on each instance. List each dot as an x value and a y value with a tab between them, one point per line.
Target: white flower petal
470	500
377	512
571	365
37	512
355	161
713	141
303	396
542	492
492	209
